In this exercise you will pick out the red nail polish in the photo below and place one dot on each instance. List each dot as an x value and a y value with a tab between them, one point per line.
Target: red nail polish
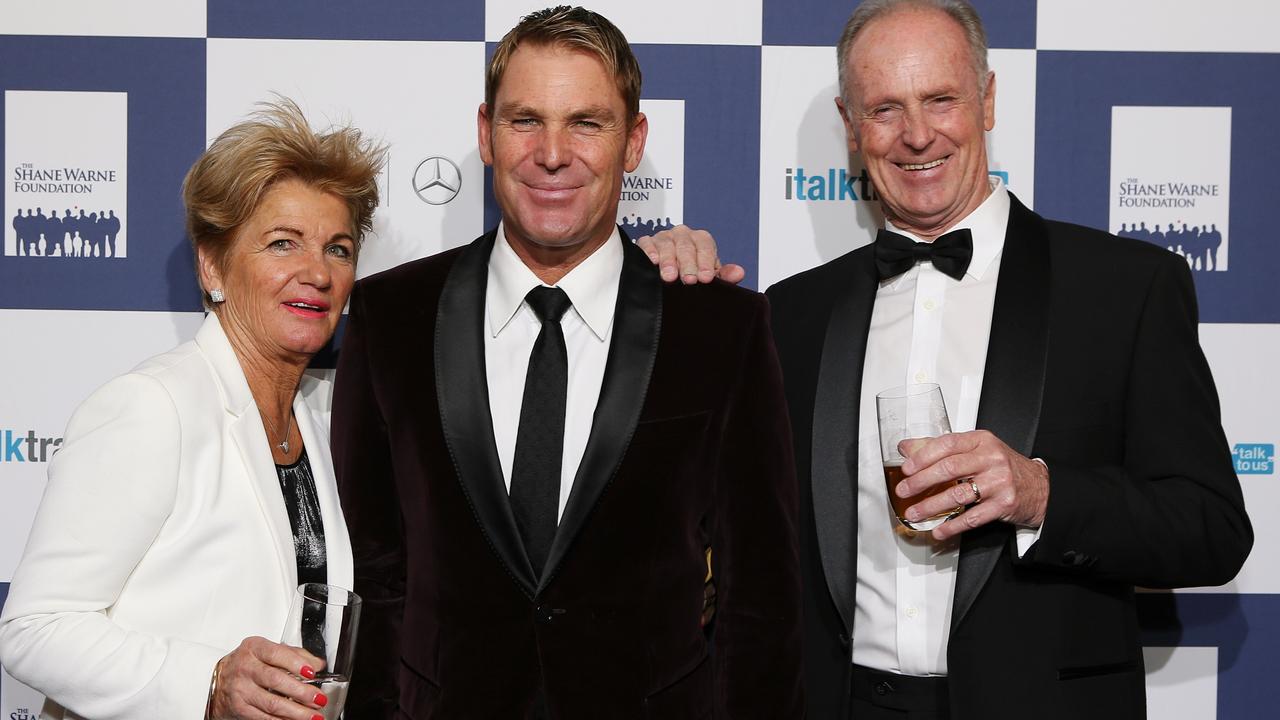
308	673
317	716
320	699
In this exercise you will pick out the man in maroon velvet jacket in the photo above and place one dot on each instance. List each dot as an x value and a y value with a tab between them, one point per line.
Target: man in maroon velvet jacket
675	440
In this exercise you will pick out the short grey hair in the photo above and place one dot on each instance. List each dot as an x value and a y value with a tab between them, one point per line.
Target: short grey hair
959	10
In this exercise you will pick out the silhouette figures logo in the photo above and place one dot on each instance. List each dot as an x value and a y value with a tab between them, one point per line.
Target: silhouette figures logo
93	235
437	180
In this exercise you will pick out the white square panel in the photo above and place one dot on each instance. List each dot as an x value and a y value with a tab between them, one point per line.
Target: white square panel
135	18
690	22
43	383
1244	359
1182	682
1158	25
813	196
420	98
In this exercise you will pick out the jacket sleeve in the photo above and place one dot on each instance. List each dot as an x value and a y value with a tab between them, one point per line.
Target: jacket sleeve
366	486
755	558
111	488
1171	514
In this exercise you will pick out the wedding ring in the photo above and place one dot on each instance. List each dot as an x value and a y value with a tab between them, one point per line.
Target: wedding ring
977	496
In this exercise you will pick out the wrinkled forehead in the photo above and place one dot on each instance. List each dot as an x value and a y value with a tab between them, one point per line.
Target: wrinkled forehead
925	45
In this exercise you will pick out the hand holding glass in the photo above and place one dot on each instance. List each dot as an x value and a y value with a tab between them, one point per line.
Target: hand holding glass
323	621
910	411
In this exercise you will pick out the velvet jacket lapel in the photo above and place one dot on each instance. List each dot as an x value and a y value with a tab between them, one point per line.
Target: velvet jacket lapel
464	402
464	406
834	468
637	322
1013	381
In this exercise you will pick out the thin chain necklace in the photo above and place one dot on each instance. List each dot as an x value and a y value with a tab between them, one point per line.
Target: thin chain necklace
284	442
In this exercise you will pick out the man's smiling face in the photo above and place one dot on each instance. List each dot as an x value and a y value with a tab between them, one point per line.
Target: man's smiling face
918	116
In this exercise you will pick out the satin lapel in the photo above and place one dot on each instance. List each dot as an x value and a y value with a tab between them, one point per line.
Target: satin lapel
1013	381
834	471
464	406
314	432
636	328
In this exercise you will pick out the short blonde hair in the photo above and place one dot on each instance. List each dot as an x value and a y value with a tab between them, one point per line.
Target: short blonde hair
227	182
573	28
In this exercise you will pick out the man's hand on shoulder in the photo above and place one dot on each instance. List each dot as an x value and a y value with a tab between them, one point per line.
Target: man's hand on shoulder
689	255
1010	487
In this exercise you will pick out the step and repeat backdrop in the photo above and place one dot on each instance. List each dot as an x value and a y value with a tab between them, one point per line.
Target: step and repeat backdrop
1149	118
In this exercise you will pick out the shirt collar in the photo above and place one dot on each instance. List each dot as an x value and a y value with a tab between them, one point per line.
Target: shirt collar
988	224
592	286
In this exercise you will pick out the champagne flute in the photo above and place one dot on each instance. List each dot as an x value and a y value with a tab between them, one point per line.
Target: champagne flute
910	411
323	620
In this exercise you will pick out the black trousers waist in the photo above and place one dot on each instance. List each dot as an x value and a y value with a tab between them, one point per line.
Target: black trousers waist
900	692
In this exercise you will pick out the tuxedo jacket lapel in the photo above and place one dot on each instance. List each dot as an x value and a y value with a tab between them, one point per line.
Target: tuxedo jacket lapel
835	433
463	394
637	321
1013	381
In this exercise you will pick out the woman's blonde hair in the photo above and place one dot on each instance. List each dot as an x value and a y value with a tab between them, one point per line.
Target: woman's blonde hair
227	182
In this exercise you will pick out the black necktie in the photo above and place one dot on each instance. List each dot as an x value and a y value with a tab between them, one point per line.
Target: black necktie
950	253
535	471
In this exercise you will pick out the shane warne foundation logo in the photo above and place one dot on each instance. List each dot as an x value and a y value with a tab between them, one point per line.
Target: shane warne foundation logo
65	179
1167	191
652	197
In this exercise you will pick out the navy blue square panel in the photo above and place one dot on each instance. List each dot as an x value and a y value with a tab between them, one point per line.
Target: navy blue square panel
369	20
720	87
1009	23
1243	627
1073	153
162	84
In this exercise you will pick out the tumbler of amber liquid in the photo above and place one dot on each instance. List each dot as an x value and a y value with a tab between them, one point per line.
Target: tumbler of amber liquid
908	412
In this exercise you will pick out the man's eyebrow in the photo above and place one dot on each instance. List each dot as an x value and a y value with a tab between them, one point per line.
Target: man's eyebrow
593	111
517	109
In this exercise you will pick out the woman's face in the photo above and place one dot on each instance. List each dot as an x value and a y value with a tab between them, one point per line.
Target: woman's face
287	274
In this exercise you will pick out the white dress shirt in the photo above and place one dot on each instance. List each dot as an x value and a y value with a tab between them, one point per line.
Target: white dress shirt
511	327
926	327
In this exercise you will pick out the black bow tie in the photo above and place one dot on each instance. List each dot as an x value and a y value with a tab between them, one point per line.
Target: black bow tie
950	253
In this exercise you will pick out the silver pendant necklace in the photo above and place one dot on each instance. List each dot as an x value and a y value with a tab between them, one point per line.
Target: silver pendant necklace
283	445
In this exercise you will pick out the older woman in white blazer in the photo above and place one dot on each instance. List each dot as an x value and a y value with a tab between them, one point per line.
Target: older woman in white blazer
193	493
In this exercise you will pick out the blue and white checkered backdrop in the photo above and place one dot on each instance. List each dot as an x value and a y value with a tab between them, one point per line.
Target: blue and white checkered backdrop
1145	117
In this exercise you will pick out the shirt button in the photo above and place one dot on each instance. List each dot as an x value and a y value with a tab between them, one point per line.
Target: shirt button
929	305
921	376
912	612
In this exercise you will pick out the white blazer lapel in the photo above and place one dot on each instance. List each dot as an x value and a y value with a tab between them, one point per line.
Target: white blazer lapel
244	427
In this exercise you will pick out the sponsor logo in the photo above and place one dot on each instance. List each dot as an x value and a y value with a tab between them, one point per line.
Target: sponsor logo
1254	458
652	196
1179	201
838	185
22	714
65	178
28	447
437	180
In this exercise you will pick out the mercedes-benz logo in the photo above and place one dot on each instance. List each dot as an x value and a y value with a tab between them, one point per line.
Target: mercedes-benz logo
437	180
